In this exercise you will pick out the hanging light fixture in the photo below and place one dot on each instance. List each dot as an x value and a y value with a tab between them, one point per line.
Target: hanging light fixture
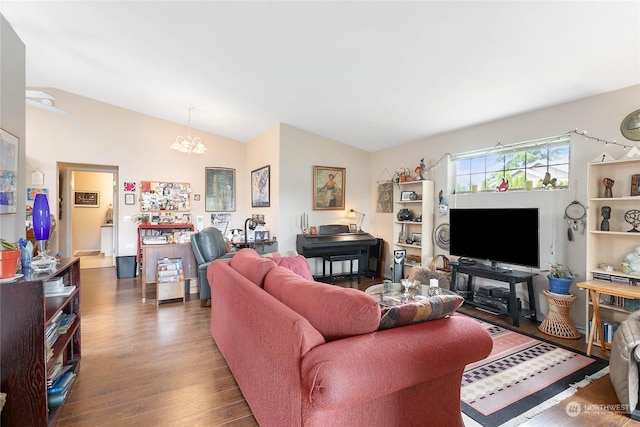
188	144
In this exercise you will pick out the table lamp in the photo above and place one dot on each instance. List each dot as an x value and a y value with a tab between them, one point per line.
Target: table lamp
253	223
353	214
41	218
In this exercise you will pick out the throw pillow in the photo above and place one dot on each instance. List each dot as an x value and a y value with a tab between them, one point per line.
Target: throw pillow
297	264
432	308
248	263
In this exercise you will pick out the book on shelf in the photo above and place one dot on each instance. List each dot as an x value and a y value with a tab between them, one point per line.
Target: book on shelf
65	291
57	398
63	383
56	373
608	330
66	323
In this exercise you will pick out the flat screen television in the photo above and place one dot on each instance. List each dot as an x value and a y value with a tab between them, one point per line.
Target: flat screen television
500	235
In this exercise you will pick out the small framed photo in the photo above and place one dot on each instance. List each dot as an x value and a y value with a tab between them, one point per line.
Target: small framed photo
353	228
416	238
261	235
405	196
635	185
129	199
313	230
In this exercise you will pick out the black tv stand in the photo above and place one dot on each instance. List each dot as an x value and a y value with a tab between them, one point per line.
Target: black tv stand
502	275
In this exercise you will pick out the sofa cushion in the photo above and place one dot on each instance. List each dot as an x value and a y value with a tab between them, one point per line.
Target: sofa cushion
251	265
334	311
297	264
431	308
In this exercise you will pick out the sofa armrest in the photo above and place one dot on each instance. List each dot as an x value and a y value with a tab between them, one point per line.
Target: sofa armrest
361	368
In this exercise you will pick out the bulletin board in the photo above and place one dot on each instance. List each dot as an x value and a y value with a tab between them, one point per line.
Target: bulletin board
165	196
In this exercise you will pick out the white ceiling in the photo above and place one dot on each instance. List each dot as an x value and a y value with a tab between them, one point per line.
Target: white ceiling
371	74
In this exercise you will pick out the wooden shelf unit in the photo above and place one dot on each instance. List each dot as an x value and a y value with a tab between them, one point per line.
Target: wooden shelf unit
609	247
425	205
25	313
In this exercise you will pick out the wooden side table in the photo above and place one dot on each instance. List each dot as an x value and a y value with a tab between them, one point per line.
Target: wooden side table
595	288
558	322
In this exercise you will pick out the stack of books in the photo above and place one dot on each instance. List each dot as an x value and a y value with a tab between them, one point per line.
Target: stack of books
59	389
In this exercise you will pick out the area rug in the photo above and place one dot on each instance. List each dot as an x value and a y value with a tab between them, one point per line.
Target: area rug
522	377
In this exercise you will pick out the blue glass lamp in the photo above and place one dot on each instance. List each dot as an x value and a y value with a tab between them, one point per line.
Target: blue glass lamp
41	218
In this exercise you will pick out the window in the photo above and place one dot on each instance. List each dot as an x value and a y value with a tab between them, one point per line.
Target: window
545	163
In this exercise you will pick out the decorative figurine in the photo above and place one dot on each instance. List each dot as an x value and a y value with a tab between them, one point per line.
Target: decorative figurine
443	206
503	187
548	182
419	170
606	214
633	217
608	185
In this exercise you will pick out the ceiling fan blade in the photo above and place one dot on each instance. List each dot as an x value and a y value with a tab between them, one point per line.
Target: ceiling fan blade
47	107
38	94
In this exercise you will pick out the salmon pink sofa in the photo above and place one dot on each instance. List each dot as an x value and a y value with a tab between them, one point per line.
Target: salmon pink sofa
306	353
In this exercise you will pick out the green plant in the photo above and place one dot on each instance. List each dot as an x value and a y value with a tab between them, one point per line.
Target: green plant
397	176
7	245
560	271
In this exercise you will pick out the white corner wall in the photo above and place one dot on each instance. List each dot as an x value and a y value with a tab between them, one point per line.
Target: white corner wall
12	120
599	115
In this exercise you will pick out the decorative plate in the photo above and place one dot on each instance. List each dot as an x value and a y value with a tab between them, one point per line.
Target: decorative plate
441	236
629	126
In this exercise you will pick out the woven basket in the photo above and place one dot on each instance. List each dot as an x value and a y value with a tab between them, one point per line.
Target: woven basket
445	268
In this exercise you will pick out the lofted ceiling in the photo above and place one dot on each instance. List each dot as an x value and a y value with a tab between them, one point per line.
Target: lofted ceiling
371	74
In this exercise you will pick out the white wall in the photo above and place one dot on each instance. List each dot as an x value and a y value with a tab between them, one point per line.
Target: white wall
88	221
299	152
101	134
12	120
600	116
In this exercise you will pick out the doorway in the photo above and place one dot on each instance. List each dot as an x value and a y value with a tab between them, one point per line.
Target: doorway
87	211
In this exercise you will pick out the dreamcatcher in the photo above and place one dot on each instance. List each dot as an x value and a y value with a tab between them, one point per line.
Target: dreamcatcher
576	215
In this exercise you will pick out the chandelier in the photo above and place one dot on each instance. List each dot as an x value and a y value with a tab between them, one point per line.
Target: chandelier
188	144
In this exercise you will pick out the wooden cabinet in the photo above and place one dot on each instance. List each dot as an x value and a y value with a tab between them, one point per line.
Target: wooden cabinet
25	314
420	248
153	234
609	248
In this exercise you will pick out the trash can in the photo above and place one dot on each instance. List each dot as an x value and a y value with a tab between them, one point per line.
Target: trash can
126	266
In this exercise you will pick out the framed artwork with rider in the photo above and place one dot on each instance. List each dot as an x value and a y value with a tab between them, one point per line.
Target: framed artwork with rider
328	188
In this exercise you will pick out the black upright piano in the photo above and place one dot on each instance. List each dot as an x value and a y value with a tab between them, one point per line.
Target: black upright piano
337	240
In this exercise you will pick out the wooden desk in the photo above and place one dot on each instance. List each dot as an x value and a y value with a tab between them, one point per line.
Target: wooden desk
595	288
152	253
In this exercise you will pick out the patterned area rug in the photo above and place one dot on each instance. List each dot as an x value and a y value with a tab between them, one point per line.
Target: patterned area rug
522	377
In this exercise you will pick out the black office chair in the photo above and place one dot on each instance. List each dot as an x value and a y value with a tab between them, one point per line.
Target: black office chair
208	245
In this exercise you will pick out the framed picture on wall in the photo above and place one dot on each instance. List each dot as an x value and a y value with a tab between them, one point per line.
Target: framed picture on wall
129	199
328	188
260	187
86	199
220	190
8	172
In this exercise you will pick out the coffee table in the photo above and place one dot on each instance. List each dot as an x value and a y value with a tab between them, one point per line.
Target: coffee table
396	295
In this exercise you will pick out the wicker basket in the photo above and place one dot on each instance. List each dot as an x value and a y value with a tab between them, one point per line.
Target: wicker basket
445	268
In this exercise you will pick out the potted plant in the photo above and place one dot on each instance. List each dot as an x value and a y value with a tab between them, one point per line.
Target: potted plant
9	255
401	175
560	278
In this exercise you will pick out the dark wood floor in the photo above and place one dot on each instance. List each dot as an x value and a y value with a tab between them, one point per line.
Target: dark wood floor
144	365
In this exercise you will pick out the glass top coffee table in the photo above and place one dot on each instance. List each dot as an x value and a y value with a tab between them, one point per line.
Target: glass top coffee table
397	296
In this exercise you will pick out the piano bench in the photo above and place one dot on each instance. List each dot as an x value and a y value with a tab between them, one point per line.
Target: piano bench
333	258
